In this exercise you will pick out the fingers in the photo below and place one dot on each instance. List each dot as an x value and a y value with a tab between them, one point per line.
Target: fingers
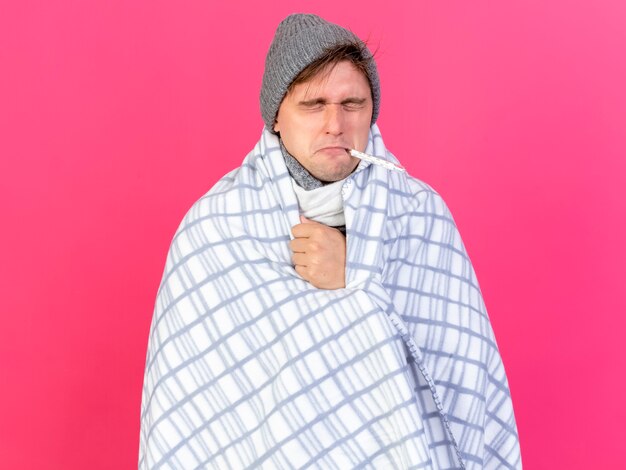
299	259
298	245
319	254
307	228
302	272
301	230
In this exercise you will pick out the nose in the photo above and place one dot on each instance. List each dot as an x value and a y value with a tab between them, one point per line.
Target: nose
335	119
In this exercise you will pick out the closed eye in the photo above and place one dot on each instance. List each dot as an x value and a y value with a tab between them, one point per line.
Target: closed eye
349	104
354	104
316	104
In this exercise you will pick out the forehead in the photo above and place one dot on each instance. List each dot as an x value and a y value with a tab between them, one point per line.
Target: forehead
334	80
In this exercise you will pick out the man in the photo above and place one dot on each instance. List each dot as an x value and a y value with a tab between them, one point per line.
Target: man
318	310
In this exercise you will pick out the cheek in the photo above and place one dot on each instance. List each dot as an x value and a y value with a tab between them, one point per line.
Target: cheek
363	130
297	139
303	132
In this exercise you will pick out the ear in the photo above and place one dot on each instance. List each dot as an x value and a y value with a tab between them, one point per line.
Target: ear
276	125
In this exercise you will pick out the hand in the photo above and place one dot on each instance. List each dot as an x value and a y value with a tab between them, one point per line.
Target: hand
319	254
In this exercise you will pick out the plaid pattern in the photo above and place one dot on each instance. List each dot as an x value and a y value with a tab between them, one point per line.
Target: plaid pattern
250	366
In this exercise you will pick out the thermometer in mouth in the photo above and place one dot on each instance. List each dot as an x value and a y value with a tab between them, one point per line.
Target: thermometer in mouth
376	160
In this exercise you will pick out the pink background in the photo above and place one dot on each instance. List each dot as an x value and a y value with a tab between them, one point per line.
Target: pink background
115	116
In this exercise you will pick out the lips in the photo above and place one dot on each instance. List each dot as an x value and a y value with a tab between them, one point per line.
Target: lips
335	149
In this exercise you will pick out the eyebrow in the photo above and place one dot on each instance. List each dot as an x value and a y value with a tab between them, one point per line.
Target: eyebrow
314	101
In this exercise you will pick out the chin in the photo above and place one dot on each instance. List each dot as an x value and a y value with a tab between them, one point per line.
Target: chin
331	177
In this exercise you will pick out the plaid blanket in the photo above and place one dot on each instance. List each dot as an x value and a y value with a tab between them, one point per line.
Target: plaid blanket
249	366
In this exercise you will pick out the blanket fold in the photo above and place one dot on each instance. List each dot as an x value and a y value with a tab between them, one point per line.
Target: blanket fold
249	366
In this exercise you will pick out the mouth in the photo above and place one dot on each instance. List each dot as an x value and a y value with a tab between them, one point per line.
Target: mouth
336	150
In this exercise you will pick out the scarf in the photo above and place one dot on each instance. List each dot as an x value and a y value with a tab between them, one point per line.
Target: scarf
249	366
318	201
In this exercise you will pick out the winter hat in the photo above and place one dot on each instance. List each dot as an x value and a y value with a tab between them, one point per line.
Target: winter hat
301	39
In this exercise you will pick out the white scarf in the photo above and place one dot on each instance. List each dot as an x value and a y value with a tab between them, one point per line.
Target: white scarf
323	204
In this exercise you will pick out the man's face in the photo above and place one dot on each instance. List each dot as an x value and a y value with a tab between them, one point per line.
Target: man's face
321	118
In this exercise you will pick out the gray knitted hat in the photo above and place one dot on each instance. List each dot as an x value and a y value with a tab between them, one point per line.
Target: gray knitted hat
301	39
